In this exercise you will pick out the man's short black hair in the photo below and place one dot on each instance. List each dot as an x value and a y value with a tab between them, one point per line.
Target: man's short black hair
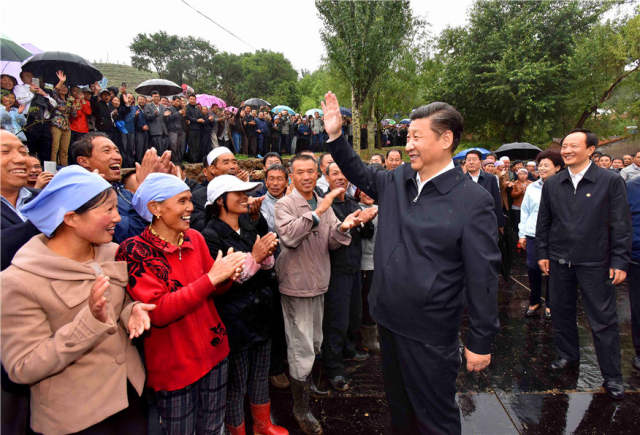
322	156
154	93
301	157
553	155
275	167
617	158
592	138
394	151
83	147
475	152
271	154
443	117
379	155
606	155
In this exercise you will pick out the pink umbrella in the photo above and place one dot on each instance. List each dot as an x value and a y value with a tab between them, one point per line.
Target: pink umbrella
210	100
232	109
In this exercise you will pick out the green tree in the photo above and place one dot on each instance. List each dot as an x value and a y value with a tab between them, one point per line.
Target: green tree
361	38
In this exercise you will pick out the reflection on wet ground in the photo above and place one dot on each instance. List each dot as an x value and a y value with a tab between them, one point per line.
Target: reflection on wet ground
518	394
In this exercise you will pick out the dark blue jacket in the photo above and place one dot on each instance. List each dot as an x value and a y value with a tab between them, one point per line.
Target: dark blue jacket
490	184
435	251
633	193
128	115
139	119
262	125
15	232
131	224
587	226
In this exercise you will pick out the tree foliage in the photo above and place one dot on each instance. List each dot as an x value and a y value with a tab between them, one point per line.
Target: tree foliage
361	39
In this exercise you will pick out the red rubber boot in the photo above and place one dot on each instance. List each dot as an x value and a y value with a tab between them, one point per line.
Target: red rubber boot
262	424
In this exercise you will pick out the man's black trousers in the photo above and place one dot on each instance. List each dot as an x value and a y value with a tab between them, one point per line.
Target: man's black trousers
341	321
420	383
599	301
634	298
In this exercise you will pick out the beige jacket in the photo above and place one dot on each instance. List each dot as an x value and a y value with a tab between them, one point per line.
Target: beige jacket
76	365
303	265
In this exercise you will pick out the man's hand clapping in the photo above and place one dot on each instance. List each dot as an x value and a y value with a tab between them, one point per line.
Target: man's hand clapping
328	200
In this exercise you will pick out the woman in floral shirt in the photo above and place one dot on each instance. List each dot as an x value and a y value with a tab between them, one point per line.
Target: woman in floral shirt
60	132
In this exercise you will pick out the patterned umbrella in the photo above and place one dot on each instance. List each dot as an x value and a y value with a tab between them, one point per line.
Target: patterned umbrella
279	109
388	121
232	109
210	100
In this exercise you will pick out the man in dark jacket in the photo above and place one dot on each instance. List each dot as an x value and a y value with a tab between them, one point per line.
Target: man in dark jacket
436	251
249	123
173	120
142	129
583	235
343	300
196	119
633	193
153	113
488	181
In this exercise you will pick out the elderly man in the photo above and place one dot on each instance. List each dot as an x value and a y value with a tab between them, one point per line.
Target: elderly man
393	160
154	115
437	230
325	160
308	228
633	170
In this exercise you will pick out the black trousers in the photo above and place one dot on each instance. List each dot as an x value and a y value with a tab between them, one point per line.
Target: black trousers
193	141
251	148
341	322
367	280
142	144
39	138
634	297
599	300
420	383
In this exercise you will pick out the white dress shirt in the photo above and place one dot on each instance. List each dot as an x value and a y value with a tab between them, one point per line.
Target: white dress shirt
575	178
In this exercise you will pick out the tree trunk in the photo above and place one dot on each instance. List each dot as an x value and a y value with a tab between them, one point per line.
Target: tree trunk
355	120
371	130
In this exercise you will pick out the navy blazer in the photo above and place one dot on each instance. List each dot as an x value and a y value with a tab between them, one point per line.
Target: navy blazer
435	252
15	232
587	226
490	184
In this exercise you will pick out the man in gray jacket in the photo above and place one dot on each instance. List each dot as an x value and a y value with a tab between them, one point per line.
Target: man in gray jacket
154	114
308	229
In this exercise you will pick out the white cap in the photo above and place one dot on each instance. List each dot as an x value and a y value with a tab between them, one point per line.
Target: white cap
523	170
229	183
217	152
505	158
499	163
531	163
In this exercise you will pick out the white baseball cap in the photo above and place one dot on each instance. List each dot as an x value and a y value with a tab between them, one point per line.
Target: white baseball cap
217	152
229	183
505	158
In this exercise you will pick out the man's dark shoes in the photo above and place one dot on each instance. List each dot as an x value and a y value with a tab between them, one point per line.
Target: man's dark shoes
563	363
614	389
316	390
358	356
339	383
532	312
636	363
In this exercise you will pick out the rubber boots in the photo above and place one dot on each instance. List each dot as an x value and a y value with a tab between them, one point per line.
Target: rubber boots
237	430
370	338
262	424
301	410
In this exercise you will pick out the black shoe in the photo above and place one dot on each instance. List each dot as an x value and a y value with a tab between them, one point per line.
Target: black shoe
614	389
563	363
316	391
358	356
339	383
532	313
636	363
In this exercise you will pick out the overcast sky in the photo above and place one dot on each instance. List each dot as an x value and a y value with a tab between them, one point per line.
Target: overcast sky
101	31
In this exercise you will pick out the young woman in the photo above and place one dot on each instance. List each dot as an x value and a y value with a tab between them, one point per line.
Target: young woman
60	131
247	309
170	266
518	188
66	319
549	163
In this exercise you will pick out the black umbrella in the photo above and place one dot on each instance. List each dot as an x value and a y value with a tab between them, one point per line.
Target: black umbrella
256	102
164	87
518	150
12	52
77	69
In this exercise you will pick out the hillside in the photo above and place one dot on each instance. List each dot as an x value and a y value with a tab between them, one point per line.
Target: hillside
116	74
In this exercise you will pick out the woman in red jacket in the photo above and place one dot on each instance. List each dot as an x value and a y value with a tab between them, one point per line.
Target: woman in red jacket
186	348
78	119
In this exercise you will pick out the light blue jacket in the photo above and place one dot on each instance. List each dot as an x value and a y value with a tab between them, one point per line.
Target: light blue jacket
529	210
13	122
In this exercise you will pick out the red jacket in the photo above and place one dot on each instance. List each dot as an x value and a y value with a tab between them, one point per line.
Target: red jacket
79	122
187	338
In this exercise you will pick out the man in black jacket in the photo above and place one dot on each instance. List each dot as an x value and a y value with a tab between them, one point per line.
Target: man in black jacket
343	300
583	235
488	181
196	119
436	249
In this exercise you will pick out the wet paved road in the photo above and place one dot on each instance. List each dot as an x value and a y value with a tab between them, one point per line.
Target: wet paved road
517	394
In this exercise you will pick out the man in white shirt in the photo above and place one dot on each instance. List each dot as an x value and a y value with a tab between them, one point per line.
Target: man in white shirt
633	170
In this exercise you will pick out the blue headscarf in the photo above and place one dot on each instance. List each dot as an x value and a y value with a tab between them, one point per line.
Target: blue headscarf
156	187
68	190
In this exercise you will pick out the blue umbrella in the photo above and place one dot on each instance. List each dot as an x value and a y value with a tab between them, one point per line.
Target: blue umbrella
345	112
312	112
405	121
280	108
462	154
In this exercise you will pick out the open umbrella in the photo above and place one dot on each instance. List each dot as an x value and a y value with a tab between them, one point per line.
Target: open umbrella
280	108
210	100
232	109
12	52
76	68
14	68
405	121
164	87
462	154
388	121
518	150
312	112
345	112
256	103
